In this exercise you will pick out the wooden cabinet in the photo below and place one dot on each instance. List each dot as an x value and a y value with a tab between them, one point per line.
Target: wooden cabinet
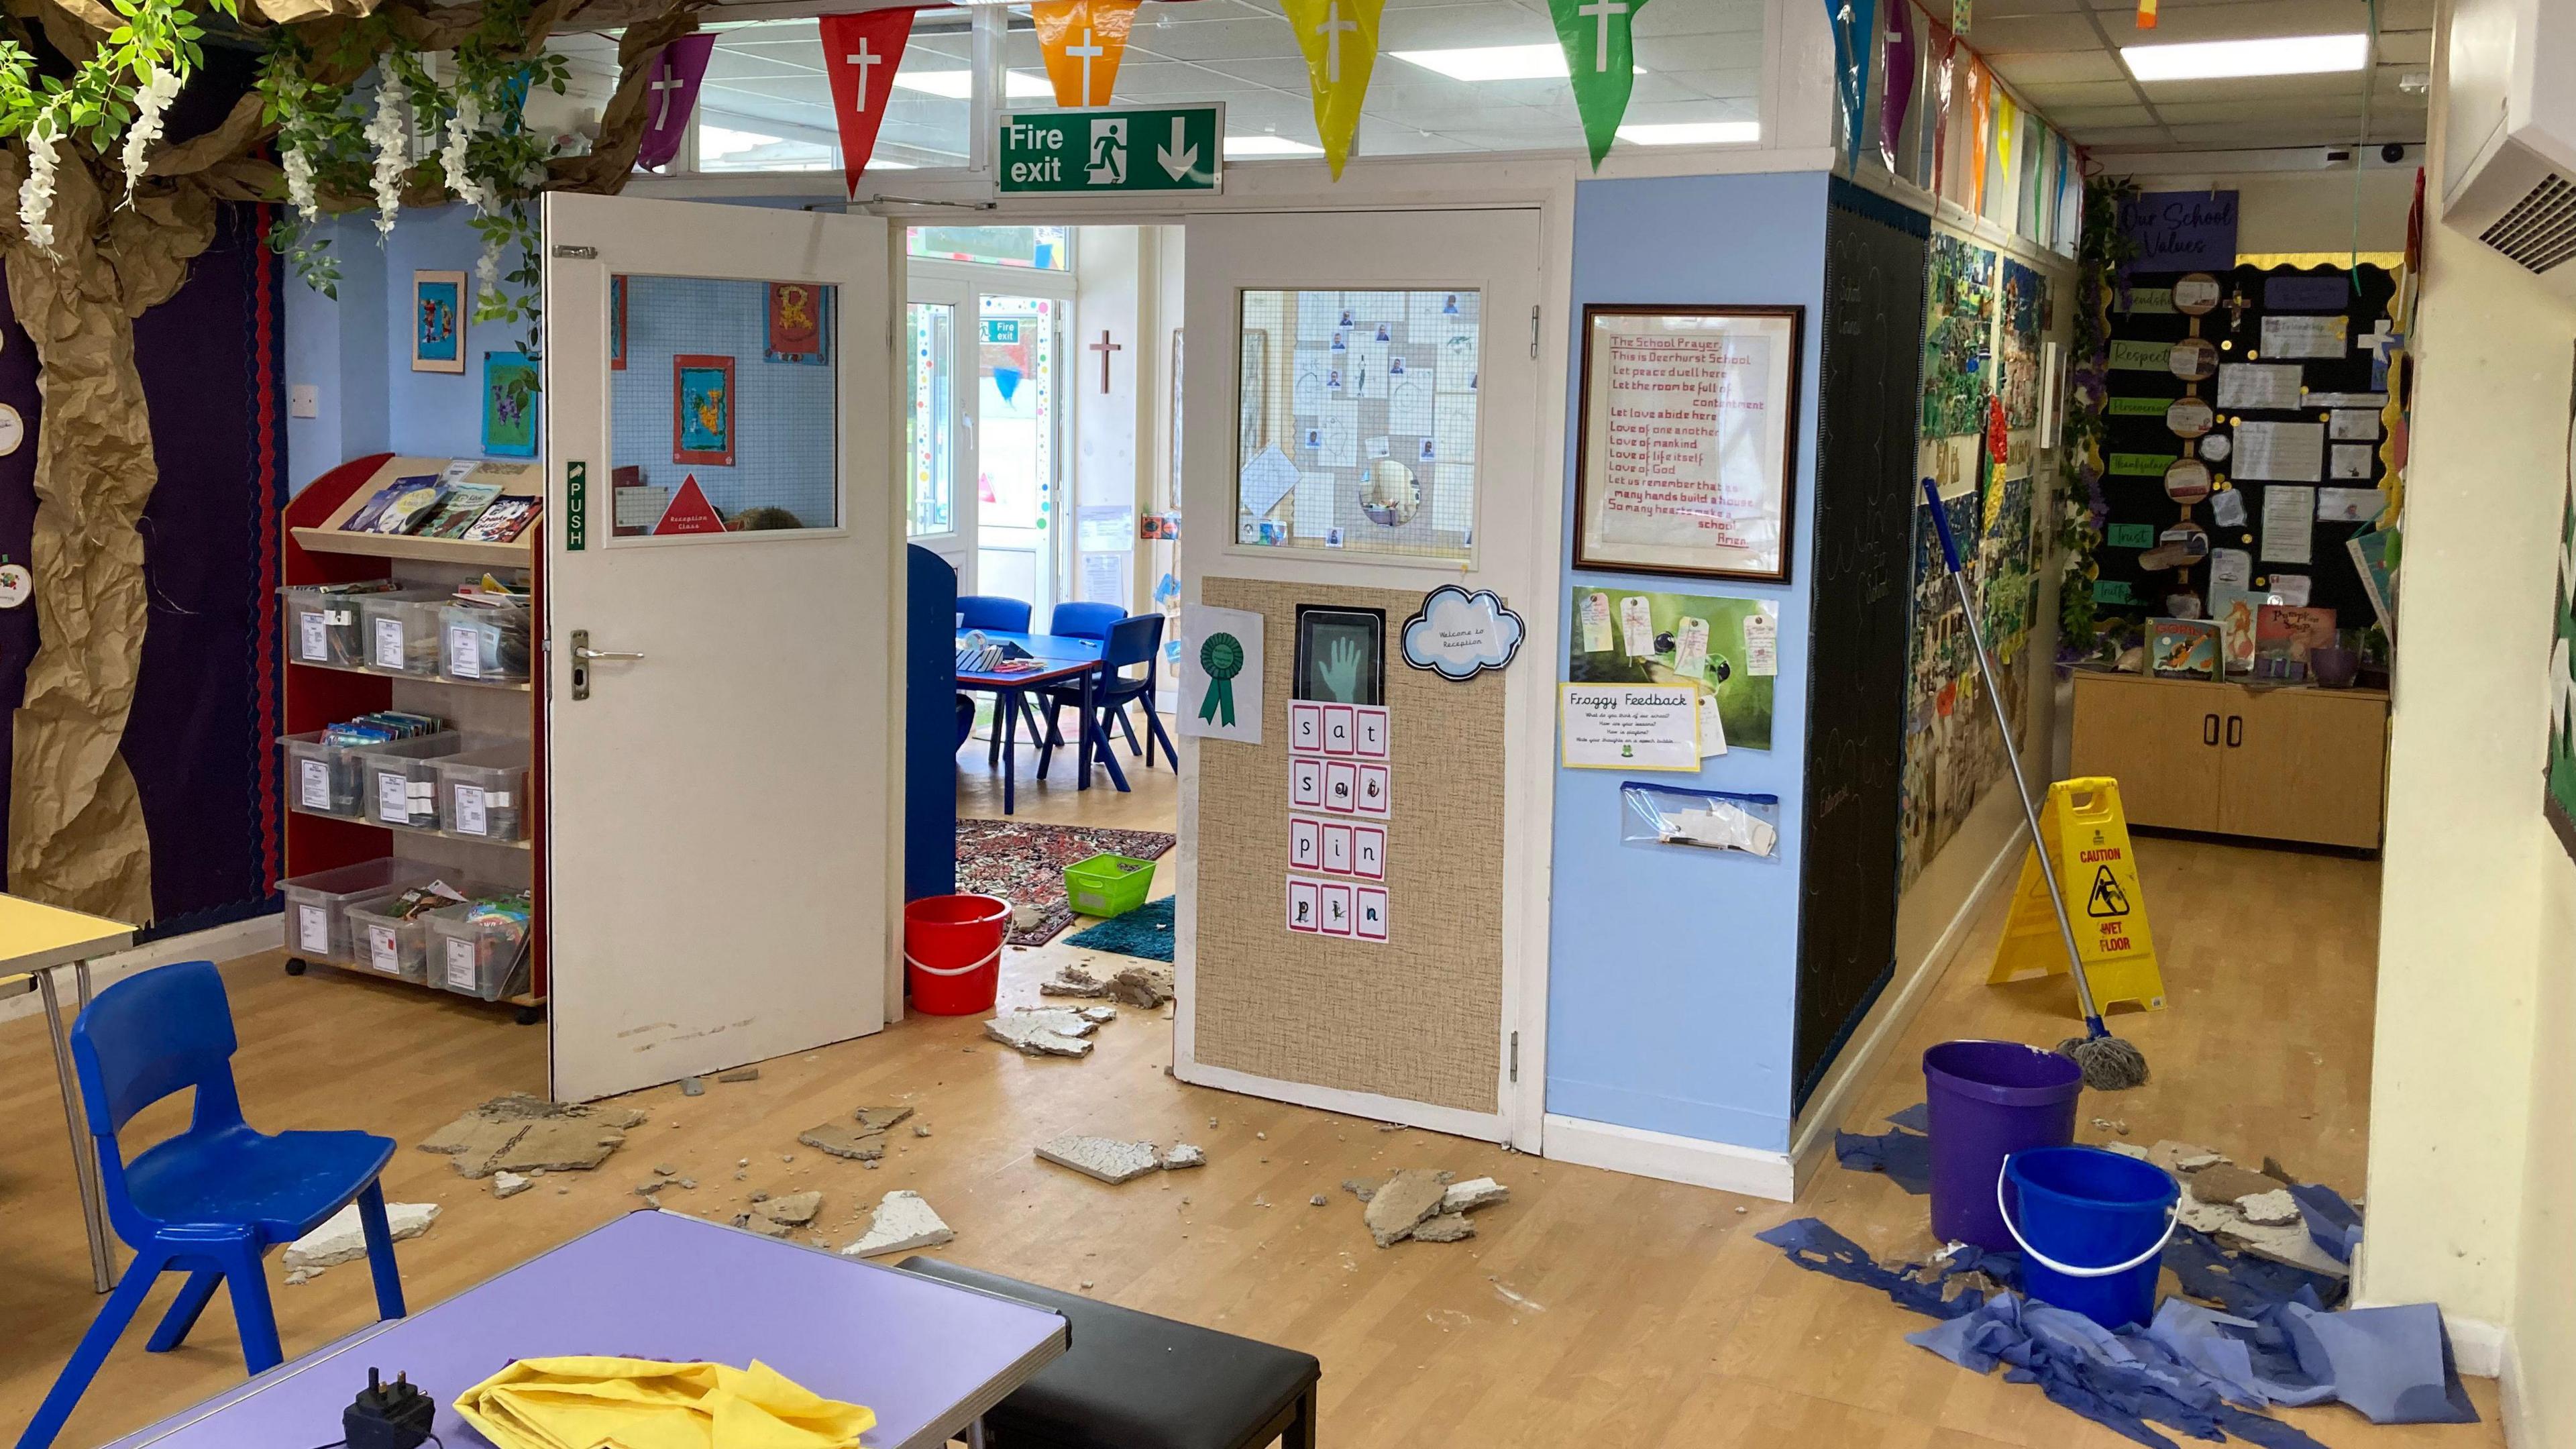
2300	763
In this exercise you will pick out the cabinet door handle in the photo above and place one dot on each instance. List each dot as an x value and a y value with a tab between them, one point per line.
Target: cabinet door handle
2235	730
2209	729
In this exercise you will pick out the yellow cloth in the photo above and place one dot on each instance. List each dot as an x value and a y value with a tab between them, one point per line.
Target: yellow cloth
630	1403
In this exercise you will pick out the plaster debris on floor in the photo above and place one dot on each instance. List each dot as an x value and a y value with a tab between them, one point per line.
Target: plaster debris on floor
740	1074
861	1139
1147	985
774	1216
343	1239
693	1086
1183	1155
903	1222
1424	1204
1115	1160
1045	1031
520	1133
510	1184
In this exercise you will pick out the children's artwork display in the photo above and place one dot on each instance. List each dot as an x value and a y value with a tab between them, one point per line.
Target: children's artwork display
702	409
1727	649
1953	751
438	322
1958	337
799	328
509	405
2024	305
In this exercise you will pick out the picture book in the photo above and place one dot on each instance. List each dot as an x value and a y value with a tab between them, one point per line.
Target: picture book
2283	635
2182	648
403	498
2232	608
457	511
504	521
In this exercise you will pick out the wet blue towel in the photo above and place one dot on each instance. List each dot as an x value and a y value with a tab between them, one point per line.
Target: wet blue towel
1904	1156
2333	1224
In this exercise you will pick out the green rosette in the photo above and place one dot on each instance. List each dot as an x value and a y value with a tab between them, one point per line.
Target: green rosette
1222	657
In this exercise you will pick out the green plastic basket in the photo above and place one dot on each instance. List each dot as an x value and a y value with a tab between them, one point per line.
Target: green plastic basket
1108	885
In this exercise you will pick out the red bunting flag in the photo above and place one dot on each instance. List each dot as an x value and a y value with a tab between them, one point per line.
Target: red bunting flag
860	53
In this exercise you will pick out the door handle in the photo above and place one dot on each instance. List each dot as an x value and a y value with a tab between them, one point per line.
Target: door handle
585	652
2235	730
2209	729
583	656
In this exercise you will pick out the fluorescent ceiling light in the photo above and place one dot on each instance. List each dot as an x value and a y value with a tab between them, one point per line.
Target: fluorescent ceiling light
1267	146
2232	59
879	163
1693	133
957	85
1494	62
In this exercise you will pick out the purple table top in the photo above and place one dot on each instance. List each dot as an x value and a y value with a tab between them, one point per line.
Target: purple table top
928	1357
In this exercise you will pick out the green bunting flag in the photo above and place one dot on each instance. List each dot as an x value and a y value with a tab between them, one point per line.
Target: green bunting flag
1601	63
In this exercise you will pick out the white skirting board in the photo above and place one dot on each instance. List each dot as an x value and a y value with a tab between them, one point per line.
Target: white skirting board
1482	1126
215	943
1671	1158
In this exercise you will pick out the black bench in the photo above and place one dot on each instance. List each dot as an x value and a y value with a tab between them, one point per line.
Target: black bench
1131	1380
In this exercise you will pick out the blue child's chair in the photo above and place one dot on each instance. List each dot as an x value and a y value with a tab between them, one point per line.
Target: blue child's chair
212	1200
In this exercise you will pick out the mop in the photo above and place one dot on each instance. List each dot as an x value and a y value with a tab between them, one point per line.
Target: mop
2110	1064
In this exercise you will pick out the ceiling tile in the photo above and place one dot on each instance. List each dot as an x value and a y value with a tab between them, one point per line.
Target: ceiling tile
2049	98
2076	118
2121	136
2006	35
2043	68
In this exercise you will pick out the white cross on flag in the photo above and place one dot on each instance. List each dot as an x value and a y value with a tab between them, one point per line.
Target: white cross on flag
1083	41
669	97
860	53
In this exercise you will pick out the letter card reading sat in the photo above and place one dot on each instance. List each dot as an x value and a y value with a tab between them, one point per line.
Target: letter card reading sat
2087	832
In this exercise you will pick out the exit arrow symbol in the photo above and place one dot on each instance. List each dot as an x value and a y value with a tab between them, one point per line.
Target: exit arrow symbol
1182	156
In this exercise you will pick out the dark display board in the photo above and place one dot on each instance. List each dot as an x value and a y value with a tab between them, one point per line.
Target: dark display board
2269	422
1875	257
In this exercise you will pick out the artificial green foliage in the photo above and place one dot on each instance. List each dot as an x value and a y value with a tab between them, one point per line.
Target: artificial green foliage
2105	248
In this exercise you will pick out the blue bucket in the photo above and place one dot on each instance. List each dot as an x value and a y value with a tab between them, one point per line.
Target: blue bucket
2092	1229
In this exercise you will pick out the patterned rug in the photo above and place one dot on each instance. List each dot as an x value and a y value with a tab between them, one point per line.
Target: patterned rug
1145	931
1024	863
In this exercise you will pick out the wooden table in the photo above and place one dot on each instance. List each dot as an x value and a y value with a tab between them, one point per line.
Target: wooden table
35	939
1063	660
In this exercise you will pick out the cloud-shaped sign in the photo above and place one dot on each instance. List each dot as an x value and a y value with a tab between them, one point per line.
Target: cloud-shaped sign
1461	635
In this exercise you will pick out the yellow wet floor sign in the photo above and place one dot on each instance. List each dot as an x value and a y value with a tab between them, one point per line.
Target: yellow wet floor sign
2088	841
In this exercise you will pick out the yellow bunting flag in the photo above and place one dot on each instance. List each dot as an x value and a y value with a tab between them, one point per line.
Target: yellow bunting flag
2146	14
1339	38
1083	41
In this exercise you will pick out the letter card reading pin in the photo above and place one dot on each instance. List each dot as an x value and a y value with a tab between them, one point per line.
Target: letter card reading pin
1337	910
1305	906
1305	844
1371	905
1306	781
1305	726
1341	786
1374	733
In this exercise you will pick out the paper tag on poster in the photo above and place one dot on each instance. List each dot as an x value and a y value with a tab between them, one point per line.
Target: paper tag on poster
1712	729
1637	626
1762	644
1596	624
1690	648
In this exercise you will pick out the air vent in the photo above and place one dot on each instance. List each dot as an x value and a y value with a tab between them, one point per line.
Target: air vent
2540	230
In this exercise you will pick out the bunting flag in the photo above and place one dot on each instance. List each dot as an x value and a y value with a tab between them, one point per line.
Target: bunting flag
1980	111
1339	38
1855	24
1601	63
670	96
2007	121
1896	84
860	53
2146	14
1083	41
1945	51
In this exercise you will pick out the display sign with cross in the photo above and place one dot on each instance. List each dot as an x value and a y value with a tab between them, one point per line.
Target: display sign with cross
1074	153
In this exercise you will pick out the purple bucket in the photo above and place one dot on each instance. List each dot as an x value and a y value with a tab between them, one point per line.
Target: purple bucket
1988	1100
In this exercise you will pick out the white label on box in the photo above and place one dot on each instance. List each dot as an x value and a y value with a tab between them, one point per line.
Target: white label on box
1305	911
460	964
1305	843
469	810
393	797
1305	726
1374	734
389	643
1376	788
1306	781
1341	786
380	949
497	799
313	929
309	640
1337	910
465	651
313	783
1337	850
1371	905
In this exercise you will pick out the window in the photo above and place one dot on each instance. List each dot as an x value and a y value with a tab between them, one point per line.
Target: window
724	405
932	337
1357	421
1039	248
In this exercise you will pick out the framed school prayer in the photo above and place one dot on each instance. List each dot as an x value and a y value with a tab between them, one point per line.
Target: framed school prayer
1687	449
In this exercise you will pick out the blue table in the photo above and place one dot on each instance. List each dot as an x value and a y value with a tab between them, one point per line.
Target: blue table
930	1358
1063	660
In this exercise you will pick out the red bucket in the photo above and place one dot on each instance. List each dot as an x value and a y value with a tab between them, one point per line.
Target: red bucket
952	952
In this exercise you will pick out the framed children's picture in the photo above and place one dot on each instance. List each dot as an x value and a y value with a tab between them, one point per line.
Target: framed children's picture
800	315
617	324
438	322
702	409
509	405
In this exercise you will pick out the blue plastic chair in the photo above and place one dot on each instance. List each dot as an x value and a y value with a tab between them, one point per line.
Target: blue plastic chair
212	1200
1135	640
1084	621
993	611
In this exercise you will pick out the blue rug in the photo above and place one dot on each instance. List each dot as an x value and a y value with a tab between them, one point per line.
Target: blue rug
1145	931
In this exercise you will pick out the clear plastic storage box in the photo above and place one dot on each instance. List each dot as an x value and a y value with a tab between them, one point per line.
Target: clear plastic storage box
483	956
400	786
402	630
317	905
381	940
324	779
324	628
485	644
484	793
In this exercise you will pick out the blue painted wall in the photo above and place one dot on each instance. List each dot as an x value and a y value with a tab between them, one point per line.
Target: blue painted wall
1672	972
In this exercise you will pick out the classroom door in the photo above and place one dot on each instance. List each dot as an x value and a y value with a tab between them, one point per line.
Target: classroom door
724	586
1019	434
940	334
1361	427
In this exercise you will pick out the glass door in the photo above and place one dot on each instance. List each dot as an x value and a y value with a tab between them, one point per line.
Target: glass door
1019	427
939	431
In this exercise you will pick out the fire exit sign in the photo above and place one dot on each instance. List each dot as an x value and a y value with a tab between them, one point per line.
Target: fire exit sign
1086	153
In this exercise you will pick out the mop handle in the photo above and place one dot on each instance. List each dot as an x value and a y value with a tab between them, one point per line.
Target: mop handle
2012	755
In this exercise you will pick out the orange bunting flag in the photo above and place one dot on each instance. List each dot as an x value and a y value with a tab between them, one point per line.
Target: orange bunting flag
2146	14
1083	41
1981	93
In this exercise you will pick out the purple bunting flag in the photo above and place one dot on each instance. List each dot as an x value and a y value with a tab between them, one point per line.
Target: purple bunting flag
672	94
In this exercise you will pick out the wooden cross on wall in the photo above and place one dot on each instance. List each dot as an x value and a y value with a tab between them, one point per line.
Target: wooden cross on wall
1105	347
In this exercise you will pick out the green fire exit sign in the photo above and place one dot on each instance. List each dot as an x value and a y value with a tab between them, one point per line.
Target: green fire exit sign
1086	153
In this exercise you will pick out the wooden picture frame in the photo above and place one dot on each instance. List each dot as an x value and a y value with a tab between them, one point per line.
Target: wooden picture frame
1702	539
702	409
440	303
617	323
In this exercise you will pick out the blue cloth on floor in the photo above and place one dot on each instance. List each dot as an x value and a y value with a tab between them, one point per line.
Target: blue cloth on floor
1145	932
1917	1118
1810	1244
1904	1156
2334	1225
2254	1357
2393	1364
2242	1283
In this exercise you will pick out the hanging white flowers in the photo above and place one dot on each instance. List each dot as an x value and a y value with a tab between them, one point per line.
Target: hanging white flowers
151	100
36	193
451	157
389	132
301	192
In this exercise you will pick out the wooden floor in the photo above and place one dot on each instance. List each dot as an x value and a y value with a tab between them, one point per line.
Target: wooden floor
1593	1309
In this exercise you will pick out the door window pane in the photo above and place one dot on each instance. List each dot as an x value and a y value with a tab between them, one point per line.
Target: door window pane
933	417
724	405
1039	248
1356	425
1015	444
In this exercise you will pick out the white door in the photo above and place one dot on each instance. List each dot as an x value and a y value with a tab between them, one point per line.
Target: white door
1370	381
724	812
1020	405
939	455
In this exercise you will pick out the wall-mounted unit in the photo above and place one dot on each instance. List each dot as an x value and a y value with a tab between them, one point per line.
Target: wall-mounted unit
2509	164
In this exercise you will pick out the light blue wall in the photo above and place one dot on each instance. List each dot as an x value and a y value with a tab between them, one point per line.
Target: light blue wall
1672	972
